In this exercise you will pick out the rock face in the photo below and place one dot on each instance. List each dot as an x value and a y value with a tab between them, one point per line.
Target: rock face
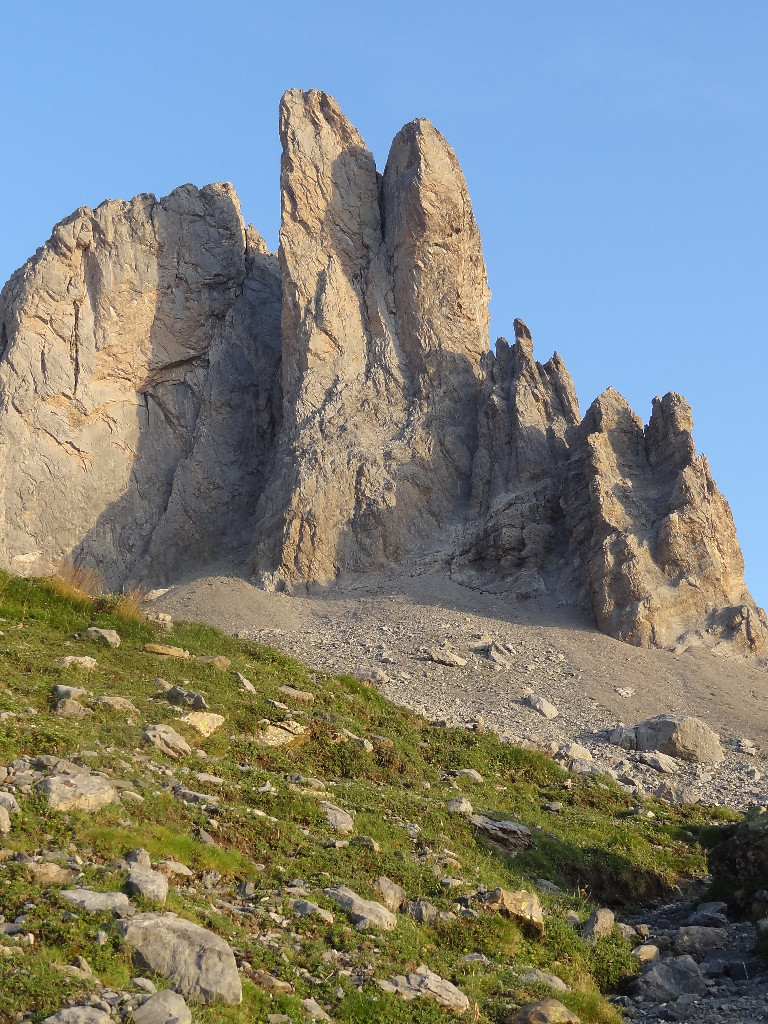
139	354
384	327
334	408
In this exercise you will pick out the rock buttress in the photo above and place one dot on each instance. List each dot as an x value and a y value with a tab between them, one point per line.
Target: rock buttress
141	344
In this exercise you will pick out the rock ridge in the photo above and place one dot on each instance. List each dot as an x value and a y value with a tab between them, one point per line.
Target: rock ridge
172	394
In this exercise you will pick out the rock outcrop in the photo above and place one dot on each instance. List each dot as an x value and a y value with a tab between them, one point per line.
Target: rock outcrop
385	324
140	348
172	394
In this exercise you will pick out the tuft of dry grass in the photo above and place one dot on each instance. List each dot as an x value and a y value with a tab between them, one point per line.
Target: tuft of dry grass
76	581
130	604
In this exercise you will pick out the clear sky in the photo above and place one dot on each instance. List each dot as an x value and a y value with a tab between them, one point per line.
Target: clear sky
616	154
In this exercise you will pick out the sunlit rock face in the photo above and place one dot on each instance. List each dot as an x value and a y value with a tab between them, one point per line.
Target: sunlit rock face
172	394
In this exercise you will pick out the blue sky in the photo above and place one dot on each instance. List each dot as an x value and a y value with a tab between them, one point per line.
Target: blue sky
616	155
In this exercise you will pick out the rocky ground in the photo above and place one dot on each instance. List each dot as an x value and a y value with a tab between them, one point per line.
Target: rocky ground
391	630
323	853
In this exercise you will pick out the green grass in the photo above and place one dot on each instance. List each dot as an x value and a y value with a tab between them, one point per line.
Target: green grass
595	849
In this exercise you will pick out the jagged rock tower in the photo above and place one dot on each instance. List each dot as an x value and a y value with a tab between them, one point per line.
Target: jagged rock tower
171	393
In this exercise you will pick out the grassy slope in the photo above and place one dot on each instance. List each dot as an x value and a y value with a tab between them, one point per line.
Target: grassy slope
595	848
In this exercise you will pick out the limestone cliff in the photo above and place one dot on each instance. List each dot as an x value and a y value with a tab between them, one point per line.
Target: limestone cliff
136	412
171	393
385	322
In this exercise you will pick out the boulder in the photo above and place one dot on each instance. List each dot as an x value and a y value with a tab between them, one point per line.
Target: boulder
511	835
546	1011
522	906
199	964
392	894
683	737
79	1015
166	1007
77	792
143	881
364	913
425	984
167	740
739	864
97	902
598	924
107	637
669	979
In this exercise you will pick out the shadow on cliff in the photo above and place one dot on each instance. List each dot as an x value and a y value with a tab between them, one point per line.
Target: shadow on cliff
204	407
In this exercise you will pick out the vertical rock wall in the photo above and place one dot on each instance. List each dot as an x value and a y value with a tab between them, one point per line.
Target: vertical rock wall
383	328
141	344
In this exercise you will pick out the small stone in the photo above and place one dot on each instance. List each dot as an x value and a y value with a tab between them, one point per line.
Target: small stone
166	652
337	817
460	806
107	637
542	705
5	821
313	1009
73	662
302	696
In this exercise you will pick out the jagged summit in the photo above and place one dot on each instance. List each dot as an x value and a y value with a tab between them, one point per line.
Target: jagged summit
171	393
